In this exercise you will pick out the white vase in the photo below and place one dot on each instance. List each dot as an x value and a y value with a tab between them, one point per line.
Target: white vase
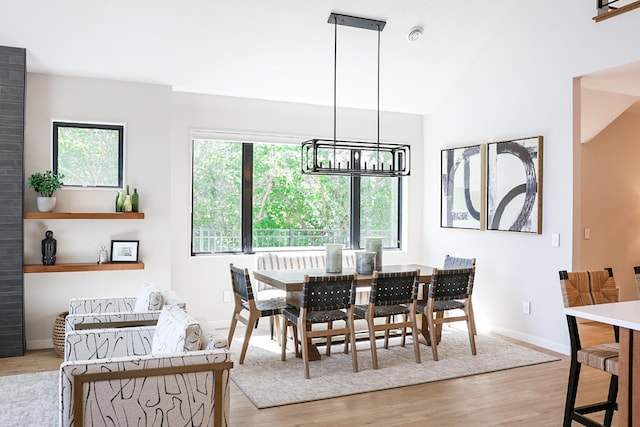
46	204
333	258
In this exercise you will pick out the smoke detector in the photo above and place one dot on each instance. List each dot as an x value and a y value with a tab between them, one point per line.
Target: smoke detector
415	34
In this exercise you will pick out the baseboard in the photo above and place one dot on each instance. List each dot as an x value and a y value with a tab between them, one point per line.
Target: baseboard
530	339
39	344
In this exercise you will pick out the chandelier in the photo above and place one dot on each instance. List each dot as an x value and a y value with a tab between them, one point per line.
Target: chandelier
355	158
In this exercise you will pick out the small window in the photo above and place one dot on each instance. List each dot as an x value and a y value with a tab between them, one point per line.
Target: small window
89	155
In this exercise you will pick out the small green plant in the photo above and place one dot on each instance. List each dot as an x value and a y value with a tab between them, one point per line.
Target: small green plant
46	183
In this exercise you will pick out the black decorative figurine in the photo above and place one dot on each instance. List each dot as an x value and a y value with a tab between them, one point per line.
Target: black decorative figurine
48	249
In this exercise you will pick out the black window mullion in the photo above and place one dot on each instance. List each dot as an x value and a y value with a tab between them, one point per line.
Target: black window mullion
399	241
247	198
355	212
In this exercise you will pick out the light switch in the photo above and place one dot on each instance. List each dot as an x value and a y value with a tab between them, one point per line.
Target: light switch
555	240
587	233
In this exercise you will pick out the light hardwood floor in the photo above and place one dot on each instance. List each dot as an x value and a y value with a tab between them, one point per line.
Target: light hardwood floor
528	396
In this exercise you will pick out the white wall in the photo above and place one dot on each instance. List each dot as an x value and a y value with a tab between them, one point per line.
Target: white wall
202	280
158	124
146	112
522	85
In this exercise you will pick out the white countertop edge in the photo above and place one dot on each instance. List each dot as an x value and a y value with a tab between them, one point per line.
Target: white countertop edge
625	314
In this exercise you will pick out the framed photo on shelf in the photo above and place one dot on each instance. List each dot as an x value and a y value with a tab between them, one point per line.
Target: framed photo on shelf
124	250
462	201
514	185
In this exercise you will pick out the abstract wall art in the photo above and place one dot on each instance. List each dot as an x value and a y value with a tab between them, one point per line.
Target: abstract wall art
514	185
462	184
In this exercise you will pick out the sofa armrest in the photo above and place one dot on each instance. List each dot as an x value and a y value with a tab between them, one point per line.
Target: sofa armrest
101	305
110	320
183	389
92	344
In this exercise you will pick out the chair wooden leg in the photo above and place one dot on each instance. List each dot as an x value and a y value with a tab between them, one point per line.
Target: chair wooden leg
372	343
329	337
414	333
283	344
347	338
432	335
276	320
386	333
439	315
247	336
305	350
472	339
473	320
404	331
352	337
232	328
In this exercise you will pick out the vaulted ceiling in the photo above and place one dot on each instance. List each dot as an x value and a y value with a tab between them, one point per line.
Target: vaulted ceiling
268	49
265	49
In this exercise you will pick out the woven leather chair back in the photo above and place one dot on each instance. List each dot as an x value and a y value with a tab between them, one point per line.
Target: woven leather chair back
588	287
328	292
241	283
394	288
451	284
455	262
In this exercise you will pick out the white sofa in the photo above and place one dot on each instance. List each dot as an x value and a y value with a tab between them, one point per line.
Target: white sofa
173	373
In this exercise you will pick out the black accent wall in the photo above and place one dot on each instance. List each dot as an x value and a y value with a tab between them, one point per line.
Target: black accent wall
12	98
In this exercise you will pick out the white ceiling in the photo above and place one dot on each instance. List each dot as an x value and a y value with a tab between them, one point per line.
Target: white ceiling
266	49
270	49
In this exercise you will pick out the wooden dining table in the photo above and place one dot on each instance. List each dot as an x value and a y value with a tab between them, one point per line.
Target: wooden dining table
625	315
291	282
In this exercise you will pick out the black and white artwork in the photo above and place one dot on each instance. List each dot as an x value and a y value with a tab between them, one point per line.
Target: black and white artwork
461	198
514	185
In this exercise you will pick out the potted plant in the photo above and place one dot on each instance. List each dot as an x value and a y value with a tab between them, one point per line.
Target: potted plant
46	185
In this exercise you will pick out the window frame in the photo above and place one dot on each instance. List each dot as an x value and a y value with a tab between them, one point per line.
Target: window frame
120	128
246	237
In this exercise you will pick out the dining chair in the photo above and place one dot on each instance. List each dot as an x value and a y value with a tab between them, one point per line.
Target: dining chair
324	299
392	294
587	288
244	300
458	262
449	289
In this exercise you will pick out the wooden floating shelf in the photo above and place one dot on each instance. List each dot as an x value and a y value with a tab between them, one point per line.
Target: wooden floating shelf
61	268
84	215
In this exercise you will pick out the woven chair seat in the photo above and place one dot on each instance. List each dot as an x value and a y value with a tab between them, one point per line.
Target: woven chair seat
603	357
269	307
323	316
381	311
442	305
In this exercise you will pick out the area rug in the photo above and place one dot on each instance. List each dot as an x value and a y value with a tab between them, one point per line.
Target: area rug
268	382
29	399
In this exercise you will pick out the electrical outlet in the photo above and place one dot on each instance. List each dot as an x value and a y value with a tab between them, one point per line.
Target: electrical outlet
526	307
227	296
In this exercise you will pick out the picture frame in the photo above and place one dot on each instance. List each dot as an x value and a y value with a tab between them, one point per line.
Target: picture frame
462	187
514	185
124	251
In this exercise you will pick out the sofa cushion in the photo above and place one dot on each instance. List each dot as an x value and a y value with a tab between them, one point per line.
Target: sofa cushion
176	332
149	298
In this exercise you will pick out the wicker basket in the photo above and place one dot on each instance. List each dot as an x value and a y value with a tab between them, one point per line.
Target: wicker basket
58	333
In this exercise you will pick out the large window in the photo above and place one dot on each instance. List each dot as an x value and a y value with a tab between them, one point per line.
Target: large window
89	155
252	196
